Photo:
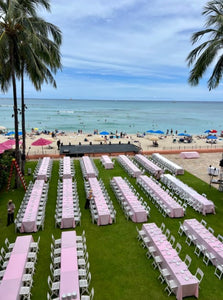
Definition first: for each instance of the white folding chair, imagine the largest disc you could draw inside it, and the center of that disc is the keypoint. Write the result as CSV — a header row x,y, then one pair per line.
x,y
187,260
25,292
199,275
90,297
218,271
84,284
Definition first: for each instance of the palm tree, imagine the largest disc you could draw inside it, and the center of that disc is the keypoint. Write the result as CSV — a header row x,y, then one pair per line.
x,y
16,26
39,57
211,49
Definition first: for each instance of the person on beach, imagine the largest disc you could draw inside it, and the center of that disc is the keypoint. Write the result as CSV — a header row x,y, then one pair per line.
x,y
89,198
58,144
11,210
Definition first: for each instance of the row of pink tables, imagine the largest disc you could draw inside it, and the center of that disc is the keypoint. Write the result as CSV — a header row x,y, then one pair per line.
x,y
189,193
12,280
187,284
139,214
107,162
148,164
32,208
168,164
69,280
206,238
88,167
104,216
44,169
67,220
176,210
130,167
66,170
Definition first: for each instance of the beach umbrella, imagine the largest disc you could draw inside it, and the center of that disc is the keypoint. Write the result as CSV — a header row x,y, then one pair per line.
x,y
104,133
153,138
41,142
207,131
10,142
10,133
159,132
150,131
3,148
211,137
213,131
181,134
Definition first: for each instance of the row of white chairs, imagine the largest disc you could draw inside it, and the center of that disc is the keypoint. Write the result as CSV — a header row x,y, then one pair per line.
x,y
49,169
93,209
27,278
149,168
183,194
83,268
163,209
200,248
59,203
85,173
166,164
123,203
41,209
128,168
61,168
164,273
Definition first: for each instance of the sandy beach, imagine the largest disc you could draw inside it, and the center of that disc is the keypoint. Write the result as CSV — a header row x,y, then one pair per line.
x,y
144,142
198,166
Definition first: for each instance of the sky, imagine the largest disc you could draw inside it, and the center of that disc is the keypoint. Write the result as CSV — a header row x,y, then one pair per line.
x,y
126,49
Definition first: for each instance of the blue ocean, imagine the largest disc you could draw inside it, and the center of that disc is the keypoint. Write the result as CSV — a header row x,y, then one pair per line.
x,y
126,116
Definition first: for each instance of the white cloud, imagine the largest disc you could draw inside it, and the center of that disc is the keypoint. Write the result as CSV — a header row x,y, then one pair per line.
x,y
107,45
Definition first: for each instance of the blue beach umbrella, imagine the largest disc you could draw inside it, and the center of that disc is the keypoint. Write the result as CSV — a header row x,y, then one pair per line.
x,y
212,137
207,131
159,132
10,133
150,131
104,133
181,134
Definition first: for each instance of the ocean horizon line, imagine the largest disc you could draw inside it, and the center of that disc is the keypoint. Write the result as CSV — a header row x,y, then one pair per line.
x,y
116,100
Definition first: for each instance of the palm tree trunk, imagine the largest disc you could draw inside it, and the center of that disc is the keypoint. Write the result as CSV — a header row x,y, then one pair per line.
x,y
23,122
16,122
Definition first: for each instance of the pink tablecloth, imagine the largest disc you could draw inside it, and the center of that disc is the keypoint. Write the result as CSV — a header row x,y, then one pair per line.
x,y
67,220
128,164
139,212
107,162
12,280
188,192
148,164
42,173
69,281
192,154
176,210
104,216
206,238
88,166
67,167
187,284
30,216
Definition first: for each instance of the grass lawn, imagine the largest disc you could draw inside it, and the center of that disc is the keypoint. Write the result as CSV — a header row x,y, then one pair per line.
x,y
118,264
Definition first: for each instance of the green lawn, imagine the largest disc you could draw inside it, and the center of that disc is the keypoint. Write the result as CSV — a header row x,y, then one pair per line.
x,y
118,264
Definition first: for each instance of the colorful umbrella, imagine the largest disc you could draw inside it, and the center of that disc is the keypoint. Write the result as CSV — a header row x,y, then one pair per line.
x,y
150,131
104,133
3,148
211,137
213,131
159,132
10,142
207,131
41,142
